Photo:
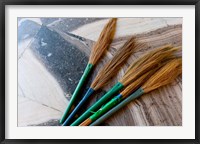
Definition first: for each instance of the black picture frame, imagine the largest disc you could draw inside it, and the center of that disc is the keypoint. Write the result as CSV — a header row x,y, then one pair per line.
x,y
3,72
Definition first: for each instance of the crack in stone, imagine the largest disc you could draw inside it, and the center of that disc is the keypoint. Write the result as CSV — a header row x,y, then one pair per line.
x,y
38,101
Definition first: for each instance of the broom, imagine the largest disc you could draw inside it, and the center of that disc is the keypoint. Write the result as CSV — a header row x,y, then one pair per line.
x,y
98,50
107,72
160,78
140,67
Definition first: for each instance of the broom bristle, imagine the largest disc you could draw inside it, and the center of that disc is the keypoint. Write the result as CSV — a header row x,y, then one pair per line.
x,y
164,76
147,62
136,84
146,57
103,41
113,66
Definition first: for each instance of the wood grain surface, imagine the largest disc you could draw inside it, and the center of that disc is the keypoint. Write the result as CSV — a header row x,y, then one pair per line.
x,y
52,57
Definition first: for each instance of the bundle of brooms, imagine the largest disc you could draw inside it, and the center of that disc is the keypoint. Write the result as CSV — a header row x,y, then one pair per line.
x,y
140,86
151,68
146,63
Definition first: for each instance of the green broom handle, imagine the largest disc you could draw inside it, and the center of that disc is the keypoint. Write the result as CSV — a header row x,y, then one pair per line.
x,y
77,91
118,86
117,99
126,101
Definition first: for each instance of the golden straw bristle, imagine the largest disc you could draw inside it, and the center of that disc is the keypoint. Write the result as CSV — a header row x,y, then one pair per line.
x,y
113,66
151,60
164,76
137,83
144,59
86,122
103,41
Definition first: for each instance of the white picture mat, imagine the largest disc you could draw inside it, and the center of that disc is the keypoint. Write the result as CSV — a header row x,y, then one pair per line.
x,y
186,131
